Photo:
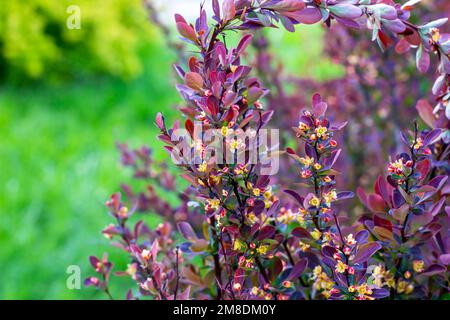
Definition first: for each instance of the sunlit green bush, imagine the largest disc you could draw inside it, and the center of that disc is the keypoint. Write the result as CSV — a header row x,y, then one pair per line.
x,y
35,39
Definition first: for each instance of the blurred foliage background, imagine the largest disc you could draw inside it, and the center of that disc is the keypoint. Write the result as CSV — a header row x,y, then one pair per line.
x,y
66,97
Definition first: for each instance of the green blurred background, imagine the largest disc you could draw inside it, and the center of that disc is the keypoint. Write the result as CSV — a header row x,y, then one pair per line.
x,y
66,97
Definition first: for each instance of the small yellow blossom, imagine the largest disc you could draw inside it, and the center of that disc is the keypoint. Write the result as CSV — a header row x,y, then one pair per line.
x,y
202,167
224,131
330,197
435,34
146,254
418,265
303,126
306,161
238,245
255,291
316,234
350,239
340,267
267,194
256,192
237,286
251,217
418,144
235,144
321,131
314,201
213,204
303,246
262,249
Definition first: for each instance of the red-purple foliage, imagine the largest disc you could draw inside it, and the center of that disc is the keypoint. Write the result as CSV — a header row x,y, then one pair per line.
x,y
236,235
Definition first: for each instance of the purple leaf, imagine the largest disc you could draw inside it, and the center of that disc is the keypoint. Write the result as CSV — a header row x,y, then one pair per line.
x,y
365,252
345,10
259,207
228,10
328,251
434,269
426,112
438,182
94,261
395,26
266,232
160,121
296,196
319,109
362,236
216,8
298,269
307,16
300,232
380,293
186,230
445,259
345,195
422,59
245,41
432,137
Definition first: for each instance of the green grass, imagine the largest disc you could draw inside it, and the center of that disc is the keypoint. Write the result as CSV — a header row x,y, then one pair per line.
x,y
58,165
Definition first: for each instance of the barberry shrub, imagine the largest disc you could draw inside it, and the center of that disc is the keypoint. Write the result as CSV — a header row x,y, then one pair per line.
x,y
237,234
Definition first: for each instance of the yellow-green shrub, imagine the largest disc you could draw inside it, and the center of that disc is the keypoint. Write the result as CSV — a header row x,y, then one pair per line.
x,y
35,39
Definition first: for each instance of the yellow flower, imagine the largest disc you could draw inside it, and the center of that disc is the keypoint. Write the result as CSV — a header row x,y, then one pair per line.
x,y
389,279
303,246
317,271
255,291
262,249
435,34
340,267
418,144
146,254
330,197
267,194
306,161
418,265
316,234
314,201
320,131
409,288
235,144
131,269
251,217
351,289
362,289
317,166
350,239
224,131
401,286
237,286
238,245
213,203
256,192
202,167
303,126
215,179
326,179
